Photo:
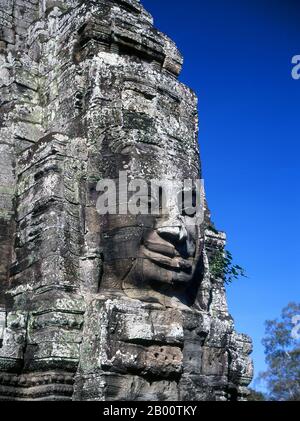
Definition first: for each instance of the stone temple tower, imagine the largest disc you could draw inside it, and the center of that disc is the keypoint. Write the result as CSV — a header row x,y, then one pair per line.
x,y
93,306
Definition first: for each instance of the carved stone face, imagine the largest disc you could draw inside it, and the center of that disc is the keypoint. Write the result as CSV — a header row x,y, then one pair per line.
x,y
168,254
151,257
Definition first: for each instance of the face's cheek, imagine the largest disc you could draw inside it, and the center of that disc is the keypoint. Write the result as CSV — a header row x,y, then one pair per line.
x,y
192,235
134,251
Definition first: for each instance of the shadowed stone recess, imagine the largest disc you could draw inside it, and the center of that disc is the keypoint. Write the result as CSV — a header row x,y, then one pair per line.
x,y
94,307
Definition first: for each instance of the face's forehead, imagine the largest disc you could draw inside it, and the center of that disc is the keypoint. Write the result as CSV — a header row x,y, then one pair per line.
x,y
154,134
162,126
146,162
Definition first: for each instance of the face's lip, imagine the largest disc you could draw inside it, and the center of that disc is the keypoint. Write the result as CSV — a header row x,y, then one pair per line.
x,y
172,263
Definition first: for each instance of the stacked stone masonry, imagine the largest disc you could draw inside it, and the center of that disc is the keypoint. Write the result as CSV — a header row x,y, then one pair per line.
x,y
88,311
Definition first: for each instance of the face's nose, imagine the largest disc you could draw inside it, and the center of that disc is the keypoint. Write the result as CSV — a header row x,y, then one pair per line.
x,y
173,234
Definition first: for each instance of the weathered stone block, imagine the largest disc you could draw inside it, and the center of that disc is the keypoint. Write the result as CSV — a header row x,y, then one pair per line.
x,y
116,387
2,325
124,304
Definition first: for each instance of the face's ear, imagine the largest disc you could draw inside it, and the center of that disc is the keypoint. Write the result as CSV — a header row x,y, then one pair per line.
x,y
193,290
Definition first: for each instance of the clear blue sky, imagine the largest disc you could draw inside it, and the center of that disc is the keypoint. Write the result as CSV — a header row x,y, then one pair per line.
x,y
238,60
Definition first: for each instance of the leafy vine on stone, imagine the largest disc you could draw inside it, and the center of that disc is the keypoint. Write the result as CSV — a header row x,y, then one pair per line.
x,y
222,266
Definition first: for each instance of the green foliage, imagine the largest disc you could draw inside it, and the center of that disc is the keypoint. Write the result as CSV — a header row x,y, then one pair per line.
x,y
221,266
282,350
